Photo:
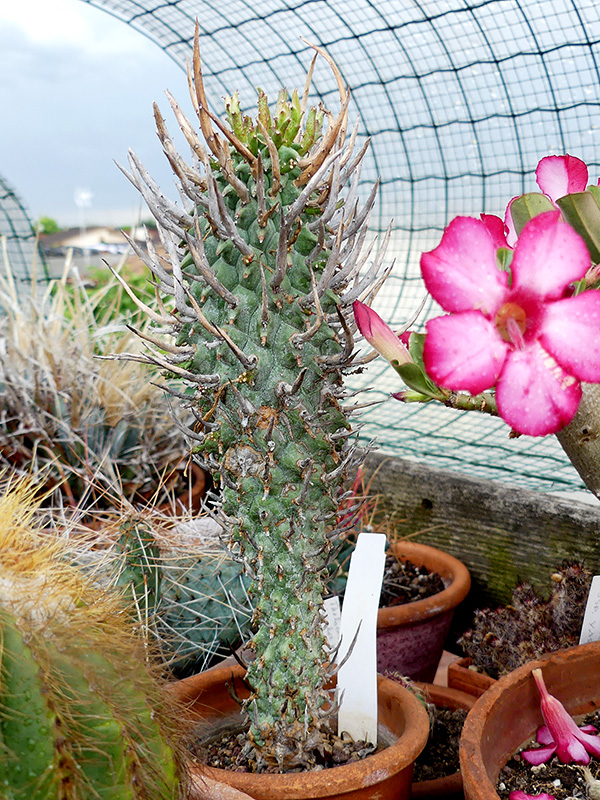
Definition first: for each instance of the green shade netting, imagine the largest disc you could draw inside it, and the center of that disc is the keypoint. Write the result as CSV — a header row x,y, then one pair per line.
x,y
461,99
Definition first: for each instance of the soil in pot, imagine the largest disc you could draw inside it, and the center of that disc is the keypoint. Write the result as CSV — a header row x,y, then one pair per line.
x,y
437,770
226,751
440,756
405,582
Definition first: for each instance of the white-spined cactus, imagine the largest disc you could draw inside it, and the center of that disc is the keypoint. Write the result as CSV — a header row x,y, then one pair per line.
x,y
264,262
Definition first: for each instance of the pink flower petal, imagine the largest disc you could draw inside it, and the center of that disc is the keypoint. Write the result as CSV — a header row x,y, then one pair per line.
x,y
572,750
570,331
496,229
517,794
461,272
463,351
560,175
589,729
511,231
543,735
590,742
534,395
571,743
539,756
548,257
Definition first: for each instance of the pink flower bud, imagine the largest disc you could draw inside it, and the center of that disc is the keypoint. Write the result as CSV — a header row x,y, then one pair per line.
x,y
380,335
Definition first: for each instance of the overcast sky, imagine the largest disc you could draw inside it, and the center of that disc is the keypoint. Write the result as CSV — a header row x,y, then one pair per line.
x,y
76,91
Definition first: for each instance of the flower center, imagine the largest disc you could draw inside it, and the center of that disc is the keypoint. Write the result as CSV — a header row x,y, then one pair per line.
x,y
511,322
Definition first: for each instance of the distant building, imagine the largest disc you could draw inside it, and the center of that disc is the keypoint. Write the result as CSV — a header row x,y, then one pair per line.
x,y
95,240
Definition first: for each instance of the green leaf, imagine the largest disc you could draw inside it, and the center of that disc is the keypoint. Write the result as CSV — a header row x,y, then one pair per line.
x,y
582,212
264,114
416,343
595,191
415,378
504,257
527,207
579,287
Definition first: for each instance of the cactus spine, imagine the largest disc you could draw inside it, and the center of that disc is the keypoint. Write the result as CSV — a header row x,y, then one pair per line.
x,y
80,714
265,264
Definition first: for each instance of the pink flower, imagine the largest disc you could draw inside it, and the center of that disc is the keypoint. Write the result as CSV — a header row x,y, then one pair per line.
x,y
380,335
560,175
517,794
560,734
520,334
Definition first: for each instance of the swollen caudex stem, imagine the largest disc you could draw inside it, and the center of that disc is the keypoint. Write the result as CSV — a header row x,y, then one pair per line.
x,y
581,438
81,715
265,261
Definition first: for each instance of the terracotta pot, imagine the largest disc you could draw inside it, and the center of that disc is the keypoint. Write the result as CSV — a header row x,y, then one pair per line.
x,y
468,680
385,774
411,637
451,786
508,714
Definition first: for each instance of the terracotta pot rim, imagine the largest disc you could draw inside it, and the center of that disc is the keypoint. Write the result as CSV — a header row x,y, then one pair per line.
x,y
447,566
325,783
472,765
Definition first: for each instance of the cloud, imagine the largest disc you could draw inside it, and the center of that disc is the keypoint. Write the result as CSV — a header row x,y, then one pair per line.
x,y
75,100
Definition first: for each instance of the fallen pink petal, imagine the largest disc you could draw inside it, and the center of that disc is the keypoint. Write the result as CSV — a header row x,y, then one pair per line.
x,y
560,175
570,743
519,795
521,333
543,735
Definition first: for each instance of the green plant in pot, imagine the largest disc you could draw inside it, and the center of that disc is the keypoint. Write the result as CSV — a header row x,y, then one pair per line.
x,y
502,639
264,266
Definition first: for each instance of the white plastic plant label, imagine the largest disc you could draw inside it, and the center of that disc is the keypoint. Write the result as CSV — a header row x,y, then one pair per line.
x,y
590,629
357,675
333,613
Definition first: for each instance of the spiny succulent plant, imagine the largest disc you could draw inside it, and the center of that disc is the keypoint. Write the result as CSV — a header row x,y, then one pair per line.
x,y
503,639
82,713
265,260
86,425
